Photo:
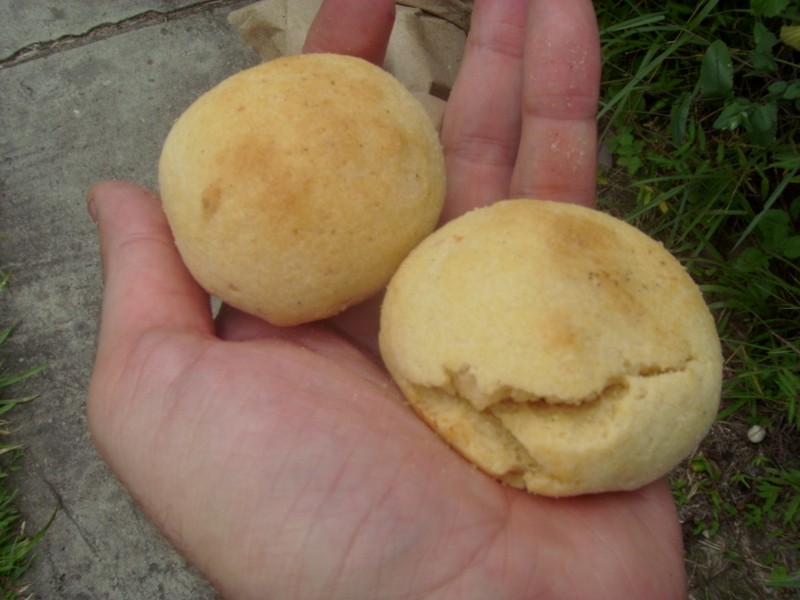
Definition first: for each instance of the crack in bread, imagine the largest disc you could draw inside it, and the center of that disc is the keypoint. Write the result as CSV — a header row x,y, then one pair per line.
x,y
475,433
463,382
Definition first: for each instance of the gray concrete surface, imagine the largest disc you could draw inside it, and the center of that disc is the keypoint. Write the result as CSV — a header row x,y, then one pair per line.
x,y
89,90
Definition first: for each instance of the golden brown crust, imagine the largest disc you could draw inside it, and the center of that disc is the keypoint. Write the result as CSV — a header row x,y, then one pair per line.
x,y
294,189
558,348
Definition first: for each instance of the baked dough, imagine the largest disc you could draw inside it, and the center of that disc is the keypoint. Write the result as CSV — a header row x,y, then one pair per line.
x,y
559,349
294,189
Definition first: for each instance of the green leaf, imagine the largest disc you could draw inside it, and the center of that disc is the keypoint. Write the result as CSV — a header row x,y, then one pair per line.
x,y
716,72
733,115
777,89
786,161
751,260
679,117
762,123
792,91
791,247
768,8
761,56
773,228
794,208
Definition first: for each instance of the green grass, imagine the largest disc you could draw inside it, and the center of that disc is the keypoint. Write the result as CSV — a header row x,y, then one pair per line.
x,y
16,545
701,114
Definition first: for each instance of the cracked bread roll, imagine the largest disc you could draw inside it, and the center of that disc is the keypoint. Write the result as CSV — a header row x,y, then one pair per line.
x,y
557,348
294,189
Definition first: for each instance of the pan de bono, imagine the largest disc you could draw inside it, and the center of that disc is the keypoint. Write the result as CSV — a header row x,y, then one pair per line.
x,y
295,188
559,349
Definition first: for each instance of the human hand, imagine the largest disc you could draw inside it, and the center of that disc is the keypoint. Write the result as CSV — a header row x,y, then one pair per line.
x,y
283,462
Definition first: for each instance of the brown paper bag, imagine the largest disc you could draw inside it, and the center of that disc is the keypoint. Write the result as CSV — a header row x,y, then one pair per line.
x,y
424,51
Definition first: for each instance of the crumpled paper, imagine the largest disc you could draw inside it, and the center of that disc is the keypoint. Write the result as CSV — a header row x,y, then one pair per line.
x,y
424,50
457,12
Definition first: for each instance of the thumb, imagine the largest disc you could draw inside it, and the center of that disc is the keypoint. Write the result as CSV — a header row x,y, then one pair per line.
x,y
146,283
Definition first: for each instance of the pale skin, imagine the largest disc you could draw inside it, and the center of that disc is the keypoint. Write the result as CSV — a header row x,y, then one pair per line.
x,y
284,463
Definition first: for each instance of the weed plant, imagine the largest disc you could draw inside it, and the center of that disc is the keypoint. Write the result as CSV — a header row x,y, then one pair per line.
x,y
16,546
701,114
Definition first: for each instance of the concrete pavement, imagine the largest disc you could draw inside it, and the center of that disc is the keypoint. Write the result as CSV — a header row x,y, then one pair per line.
x,y
89,90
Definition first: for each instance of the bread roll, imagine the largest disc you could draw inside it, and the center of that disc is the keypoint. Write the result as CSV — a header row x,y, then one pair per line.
x,y
559,349
294,189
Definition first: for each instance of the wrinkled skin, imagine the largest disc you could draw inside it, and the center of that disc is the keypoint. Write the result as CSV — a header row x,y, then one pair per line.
x,y
283,462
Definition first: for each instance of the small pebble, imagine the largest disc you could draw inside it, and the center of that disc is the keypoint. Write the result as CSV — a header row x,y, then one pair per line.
x,y
756,434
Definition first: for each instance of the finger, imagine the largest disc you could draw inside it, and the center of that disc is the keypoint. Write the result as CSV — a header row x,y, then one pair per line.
x,y
480,131
146,283
355,27
557,157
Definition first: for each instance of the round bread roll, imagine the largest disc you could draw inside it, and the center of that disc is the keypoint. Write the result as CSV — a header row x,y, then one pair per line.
x,y
559,349
294,189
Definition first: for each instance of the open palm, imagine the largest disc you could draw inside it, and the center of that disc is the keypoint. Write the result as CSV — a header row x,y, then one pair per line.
x,y
282,461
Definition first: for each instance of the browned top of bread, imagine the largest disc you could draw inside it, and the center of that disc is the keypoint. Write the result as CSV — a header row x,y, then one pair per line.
x,y
295,188
560,349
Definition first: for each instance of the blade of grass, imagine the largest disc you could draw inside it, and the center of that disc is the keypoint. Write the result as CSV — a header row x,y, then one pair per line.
x,y
776,194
